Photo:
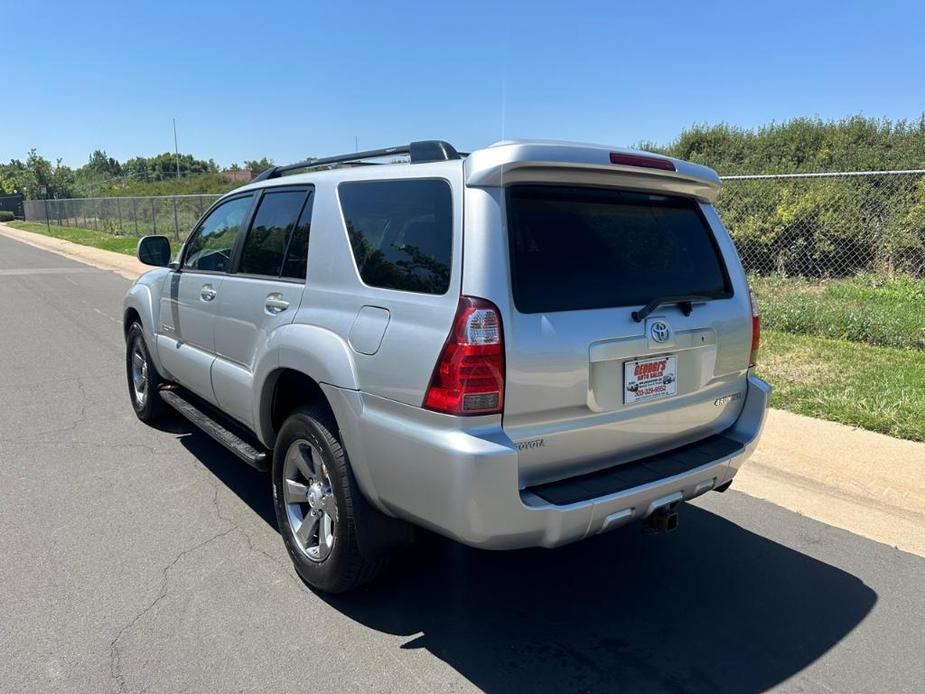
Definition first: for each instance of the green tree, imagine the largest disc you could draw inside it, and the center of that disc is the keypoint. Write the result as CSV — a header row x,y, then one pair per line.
x,y
103,164
255,166
818,226
36,172
803,145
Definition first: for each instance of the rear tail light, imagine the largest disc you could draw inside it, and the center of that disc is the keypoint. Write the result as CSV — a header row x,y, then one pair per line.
x,y
640,160
469,376
756,328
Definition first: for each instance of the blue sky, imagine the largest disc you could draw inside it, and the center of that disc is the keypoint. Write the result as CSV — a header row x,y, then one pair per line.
x,y
284,80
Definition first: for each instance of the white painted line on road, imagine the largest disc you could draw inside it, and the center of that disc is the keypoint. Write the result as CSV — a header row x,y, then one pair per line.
x,y
45,271
106,315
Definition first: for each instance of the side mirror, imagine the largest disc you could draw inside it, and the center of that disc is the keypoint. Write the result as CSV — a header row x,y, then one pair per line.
x,y
154,250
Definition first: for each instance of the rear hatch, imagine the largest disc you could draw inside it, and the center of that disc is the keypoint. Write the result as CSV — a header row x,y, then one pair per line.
x,y
588,384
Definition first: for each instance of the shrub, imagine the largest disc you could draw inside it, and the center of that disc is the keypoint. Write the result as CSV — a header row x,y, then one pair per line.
x,y
6,216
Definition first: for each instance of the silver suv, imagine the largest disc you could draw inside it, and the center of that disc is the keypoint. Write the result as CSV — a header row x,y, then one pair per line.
x,y
523,346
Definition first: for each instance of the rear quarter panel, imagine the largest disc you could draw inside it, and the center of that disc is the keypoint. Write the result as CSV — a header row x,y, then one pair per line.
x,y
417,325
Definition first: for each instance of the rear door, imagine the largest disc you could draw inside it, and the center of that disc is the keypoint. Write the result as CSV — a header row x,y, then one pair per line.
x,y
587,385
263,293
186,339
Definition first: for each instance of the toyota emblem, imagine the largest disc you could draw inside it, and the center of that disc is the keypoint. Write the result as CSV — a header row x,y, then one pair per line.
x,y
660,331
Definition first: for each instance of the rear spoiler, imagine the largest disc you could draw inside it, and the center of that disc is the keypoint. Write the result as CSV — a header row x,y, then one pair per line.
x,y
571,163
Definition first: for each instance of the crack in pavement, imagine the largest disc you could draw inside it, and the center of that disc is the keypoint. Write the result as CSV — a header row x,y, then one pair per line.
x,y
115,664
79,419
115,669
286,567
53,381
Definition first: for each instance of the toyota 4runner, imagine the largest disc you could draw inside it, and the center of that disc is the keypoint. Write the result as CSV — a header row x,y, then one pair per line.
x,y
524,346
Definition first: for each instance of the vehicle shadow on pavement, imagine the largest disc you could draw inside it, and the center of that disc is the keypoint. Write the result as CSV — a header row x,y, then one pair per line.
x,y
710,607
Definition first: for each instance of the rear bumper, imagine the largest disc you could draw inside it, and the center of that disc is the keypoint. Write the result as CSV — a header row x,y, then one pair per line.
x,y
463,483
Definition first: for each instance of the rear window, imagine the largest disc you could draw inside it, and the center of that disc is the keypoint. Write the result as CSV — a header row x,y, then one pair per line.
x,y
576,248
401,233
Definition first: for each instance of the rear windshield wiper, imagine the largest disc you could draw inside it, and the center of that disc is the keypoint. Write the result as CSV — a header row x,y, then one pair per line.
x,y
684,301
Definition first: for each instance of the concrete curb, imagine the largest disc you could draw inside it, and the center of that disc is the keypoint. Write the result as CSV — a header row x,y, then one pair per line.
x,y
125,265
858,480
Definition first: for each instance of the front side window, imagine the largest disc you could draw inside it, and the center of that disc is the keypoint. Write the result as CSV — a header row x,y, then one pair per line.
x,y
401,233
266,242
211,245
576,248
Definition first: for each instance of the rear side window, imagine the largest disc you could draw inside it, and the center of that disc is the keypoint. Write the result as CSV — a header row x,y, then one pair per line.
x,y
401,233
266,242
297,254
578,248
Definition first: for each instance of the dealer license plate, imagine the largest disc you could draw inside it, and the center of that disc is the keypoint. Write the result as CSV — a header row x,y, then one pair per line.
x,y
650,379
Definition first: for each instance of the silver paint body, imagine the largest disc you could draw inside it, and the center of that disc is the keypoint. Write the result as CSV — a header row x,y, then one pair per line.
x,y
373,350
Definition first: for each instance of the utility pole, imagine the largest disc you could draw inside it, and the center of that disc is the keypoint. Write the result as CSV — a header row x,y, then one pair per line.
x,y
176,150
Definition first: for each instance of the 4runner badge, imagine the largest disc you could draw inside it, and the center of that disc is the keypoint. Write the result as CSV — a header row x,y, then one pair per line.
x,y
726,399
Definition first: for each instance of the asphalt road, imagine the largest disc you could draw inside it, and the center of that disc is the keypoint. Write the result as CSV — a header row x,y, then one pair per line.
x,y
133,559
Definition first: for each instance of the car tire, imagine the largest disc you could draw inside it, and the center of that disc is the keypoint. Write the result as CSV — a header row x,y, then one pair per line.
x,y
144,381
326,552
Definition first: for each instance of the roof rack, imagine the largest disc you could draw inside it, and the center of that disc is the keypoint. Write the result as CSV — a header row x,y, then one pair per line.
x,y
420,152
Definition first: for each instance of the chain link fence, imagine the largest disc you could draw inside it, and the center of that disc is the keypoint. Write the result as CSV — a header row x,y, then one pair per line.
x,y
804,225
828,225
170,215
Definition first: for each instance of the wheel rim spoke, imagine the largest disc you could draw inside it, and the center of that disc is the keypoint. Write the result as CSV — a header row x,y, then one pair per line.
x,y
313,459
323,529
329,505
303,462
305,531
295,492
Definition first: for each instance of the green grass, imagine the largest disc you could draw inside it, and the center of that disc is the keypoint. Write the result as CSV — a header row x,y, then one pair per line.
x,y
86,237
872,309
876,388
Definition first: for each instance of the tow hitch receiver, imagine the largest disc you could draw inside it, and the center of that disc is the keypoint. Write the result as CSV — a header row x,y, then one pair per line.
x,y
662,520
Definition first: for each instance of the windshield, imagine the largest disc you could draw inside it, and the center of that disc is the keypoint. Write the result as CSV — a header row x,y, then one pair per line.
x,y
576,248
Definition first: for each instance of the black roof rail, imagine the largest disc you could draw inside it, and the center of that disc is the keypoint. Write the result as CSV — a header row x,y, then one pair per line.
x,y
420,152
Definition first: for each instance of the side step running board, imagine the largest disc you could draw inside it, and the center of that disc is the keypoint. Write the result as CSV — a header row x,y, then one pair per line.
x,y
230,440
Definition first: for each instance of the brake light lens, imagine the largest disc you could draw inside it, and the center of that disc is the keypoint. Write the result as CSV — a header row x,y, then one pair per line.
x,y
756,328
469,376
643,161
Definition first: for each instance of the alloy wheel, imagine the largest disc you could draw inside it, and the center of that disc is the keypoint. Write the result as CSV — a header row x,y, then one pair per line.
x,y
310,504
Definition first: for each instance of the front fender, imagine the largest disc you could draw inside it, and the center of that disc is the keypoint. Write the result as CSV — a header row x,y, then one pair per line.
x,y
142,297
314,351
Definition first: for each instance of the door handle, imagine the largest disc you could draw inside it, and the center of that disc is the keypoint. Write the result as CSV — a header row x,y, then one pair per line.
x,y
276,304
207,293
